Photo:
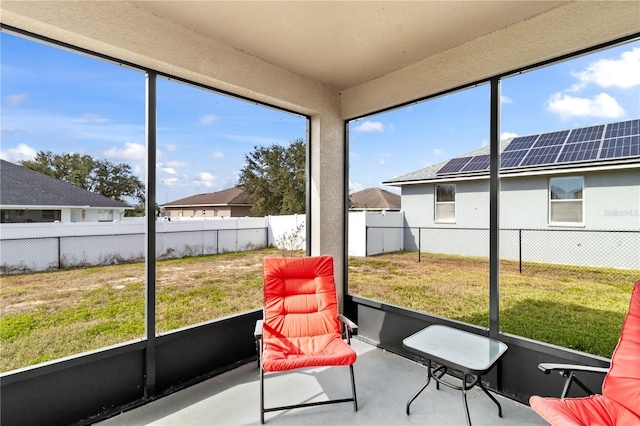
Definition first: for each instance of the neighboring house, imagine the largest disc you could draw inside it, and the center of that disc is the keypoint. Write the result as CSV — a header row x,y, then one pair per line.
x,y
232,202
29,196
374,199
582,178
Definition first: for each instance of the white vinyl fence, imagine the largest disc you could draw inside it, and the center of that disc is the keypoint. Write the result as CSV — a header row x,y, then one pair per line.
x,y
49,246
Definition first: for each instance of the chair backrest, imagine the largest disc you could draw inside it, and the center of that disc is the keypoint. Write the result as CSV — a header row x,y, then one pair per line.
x,y
299,297
622,382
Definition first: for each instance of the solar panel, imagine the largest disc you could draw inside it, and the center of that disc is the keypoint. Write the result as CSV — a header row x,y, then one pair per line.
x,y
512,158
479,162
580,151
626,146
543,155
600,142
523,142
551,139
626,128
454,165
586,134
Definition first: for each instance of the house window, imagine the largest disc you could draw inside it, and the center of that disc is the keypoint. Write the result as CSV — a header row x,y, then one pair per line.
x,y
565,200
48,215
105,215
445,209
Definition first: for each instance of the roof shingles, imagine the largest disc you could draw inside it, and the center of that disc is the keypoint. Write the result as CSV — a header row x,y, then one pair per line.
x,y
20,186
233,196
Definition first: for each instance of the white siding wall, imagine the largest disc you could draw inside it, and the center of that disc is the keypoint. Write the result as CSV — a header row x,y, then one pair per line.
x,y
524,202
611,202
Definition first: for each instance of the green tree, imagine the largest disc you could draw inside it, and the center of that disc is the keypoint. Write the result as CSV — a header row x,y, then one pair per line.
x,y
274,177
115,181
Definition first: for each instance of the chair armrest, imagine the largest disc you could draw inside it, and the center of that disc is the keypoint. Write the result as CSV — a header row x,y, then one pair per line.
x,y
568,372
352,326
257,332
547,368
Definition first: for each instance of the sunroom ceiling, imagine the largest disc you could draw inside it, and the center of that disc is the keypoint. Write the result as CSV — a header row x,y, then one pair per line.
x,y
348,58
345,43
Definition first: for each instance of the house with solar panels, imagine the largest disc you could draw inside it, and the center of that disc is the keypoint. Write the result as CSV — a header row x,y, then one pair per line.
x,y
576,180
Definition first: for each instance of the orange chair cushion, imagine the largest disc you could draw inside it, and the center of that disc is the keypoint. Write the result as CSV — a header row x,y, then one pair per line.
x,y
301,326
622,382
619,403
318,351
592,410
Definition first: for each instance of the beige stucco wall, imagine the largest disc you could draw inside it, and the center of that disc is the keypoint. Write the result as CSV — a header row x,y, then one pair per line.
x,y
563,30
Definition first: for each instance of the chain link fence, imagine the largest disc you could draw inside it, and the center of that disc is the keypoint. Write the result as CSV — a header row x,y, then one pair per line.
x,y
23,255
613,252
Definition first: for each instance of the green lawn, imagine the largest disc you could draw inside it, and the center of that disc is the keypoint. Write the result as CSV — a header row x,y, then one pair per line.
x,y
50,315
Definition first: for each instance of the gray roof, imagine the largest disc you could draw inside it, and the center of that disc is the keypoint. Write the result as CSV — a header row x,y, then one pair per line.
x,y
429,172
235,196
20,186
375,199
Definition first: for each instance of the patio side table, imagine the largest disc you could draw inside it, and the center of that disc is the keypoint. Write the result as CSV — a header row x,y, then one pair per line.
x,y
453,349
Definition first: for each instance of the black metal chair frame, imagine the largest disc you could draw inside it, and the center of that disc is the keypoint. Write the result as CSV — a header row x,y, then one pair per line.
x,y
348,329
568,372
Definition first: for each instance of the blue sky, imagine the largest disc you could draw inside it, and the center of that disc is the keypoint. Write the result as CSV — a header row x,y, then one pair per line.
x,y
64,102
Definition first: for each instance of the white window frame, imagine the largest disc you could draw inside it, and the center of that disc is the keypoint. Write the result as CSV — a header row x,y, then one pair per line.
x,y
559,201
437,203
105,215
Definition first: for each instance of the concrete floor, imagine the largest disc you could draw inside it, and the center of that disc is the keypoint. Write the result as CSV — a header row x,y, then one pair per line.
x,y
384,383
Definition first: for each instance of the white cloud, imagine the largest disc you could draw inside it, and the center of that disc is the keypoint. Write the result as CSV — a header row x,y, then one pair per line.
x,y
209,119
623,72
505,136
11,133
217,154
15,100
43,124
437,152
131,151
355,186
382,160
505,99
91,117
174,163
19,153
568,106
171,182
353,155
170,147
169,170
370,126
205,179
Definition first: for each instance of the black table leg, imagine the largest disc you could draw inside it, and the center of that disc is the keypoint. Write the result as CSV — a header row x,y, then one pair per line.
x,y
464,398
422,388
490,396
